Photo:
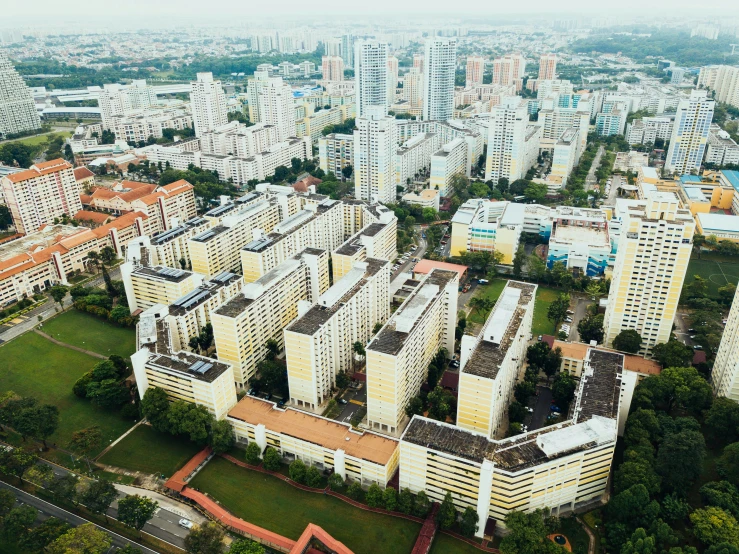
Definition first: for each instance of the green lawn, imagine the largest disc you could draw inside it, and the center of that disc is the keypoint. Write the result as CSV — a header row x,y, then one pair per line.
x,y
716,271
31,365
575,533
544,297
39,139
91,333
270,503
444,544
149,451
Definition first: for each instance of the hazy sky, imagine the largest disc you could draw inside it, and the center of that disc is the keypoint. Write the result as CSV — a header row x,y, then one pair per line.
x,y
227,9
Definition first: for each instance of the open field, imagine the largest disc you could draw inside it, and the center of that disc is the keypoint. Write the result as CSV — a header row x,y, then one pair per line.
x,y
31,365
149,451
717,273
444,544
39,139
270,503
544,297
91,333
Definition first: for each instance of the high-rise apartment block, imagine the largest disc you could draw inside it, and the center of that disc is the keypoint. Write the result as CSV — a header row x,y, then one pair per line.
x,y
492,362
725,374
690,133
40,194
453,159
332,68
335,152
277,107
119,100
724,79
418,60
548,67
319,344
347,50
438,87
209,109
413,87
375,143
17,109
506,154
509,70
253,85
243,325
399,355
475,71
370,75
147,285
376,240
653,253
392,78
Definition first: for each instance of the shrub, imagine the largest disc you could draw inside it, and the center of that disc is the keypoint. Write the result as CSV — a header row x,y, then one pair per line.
x,y
336,482
297,471
390,498
354,491
313,477
252,453
374,496
272,459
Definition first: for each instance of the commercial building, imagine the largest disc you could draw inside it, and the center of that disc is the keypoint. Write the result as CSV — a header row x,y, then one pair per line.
x,y
332,68
580,240
475,71
652,257
725,374
319,344
438,86
375,144
209,108
563,467
507,153
17,109
41,194
427,198
399,355
370,74
335,152
363,457
690,133
484,226
492,362
187,377
453,159
722,226
243,325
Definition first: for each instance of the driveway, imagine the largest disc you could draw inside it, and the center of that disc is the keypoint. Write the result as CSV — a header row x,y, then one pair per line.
x,y
356,400
541,410
581,310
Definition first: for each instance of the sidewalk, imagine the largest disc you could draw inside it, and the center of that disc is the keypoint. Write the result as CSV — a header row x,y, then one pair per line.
x,y
65,345
166,503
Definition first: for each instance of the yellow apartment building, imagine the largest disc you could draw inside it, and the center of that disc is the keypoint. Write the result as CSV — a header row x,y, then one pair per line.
x,y
146,286
376,240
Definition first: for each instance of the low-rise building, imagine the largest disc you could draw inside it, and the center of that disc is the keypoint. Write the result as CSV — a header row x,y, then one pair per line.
x,y
722,149
427,198
485,226
580,240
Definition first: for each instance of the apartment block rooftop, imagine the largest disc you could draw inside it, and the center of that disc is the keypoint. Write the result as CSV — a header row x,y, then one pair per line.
x,y
501,328
201,294
391,338
354,244
162,273
189,364
210,234
178,231
337,296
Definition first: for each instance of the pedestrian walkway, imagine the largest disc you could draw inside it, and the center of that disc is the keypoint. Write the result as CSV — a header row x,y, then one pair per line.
x,y
65,345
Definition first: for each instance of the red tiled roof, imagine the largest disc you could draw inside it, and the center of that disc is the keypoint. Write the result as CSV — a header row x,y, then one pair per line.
x,y
95,217
82,173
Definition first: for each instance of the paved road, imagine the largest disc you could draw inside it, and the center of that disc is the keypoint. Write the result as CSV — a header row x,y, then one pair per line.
x,y
616,181
355,400
581,310
590,180
47,510
541,410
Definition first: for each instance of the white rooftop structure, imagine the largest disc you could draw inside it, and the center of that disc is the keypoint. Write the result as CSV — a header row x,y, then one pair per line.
x,y
597,429
406,317
502,315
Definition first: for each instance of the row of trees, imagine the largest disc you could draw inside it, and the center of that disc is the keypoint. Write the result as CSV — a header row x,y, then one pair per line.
x,y
105,386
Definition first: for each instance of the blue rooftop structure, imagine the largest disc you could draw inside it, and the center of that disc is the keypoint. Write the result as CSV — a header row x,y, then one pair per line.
x,y
733,178
687,179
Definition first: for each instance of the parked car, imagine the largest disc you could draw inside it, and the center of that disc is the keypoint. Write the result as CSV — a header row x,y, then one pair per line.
x,y
697,347
570,312
554,409
539,338
530,410
691,330
342,401
568,319
185,523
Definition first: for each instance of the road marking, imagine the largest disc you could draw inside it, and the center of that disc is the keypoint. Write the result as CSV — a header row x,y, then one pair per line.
x,y
356,402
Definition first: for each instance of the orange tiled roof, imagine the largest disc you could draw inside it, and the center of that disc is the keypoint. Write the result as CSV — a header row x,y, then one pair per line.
x,y
82,173
95,217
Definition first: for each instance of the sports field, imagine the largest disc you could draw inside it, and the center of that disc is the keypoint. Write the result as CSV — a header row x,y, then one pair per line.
x,y
715,270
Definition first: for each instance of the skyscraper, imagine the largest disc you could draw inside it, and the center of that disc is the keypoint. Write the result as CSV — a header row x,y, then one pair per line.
x,y
277,107
347,49
370,75
392,78
725,374
547,67
475,71
690,133
208,104
332,68
653,254
507,140
375,143
17,108
438,87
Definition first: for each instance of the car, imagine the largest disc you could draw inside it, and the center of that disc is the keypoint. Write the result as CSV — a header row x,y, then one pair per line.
x,y
568,319
185,523
693,337
250,392
539,338
342,401
454,363
691,330
697,347
554,409
530,410
570,312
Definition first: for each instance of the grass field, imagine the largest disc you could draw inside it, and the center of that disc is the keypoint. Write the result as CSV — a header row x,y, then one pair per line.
x,y
716,271
31,365
39,139
444,544
149,451
270,503
91,333
544,297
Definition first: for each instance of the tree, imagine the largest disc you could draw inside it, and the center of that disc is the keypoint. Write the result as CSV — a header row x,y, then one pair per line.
x,y
297,471
591,328
680,459
389,498
64,488
342,380
7,501
628,340
422,504
721,494
727,464
537,269
271,460
155,408
17,461
721,548
222,437
447,514
205,539
713,526
245,546
99,496
673,353
191,420
374,496
563,390
39,422
469,524
640,543
86,440
527,534
107,255
535,192
44,534
439,402
336,482
253,452
358,349
86,539
18,521
518,262
313,477
58,293
523,391
346,171
354,491
516,412
135,510
109,393
558,309
405,501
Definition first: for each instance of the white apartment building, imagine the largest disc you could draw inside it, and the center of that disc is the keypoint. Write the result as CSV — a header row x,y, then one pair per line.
x,y
243,325
147,285
649,129
724,79
565,156
722,149
492,362
277,107
725,374
554,121
392,79
170,247
377,240
414,157
332,68
17,108
475,71
236,139
335,152
313,124
453,159
506,154
370,75
208,101
253,86
40,194
690,133
652,257
399,355
319,344
413,88
438,87
119,100
138,126
375,143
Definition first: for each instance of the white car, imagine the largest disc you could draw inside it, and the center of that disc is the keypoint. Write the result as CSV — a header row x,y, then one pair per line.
x,y
186,523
